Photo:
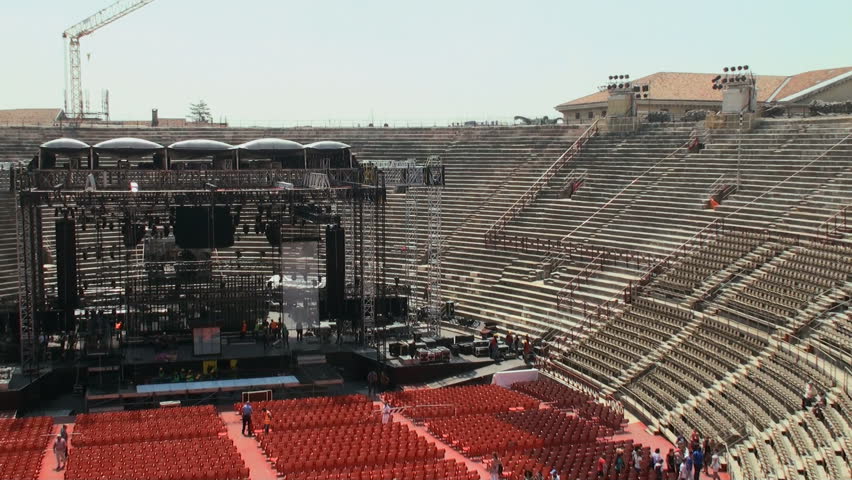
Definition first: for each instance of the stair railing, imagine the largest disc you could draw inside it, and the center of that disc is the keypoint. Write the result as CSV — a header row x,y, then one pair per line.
x,y
497,228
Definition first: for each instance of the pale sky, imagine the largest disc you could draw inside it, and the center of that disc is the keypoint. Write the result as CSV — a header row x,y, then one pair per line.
x,y
398,61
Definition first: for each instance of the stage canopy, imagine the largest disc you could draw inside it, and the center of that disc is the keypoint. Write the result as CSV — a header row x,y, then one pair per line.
x,y
199,148
270,146
327,145
128,146
64,145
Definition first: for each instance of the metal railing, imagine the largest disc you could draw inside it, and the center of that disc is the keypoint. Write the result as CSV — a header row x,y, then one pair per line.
x,y
535,189
835,225
618,194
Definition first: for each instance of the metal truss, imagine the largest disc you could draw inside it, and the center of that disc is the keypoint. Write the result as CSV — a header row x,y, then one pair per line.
x,y
30,293
119,179
369,264
358,204
434,178
410,254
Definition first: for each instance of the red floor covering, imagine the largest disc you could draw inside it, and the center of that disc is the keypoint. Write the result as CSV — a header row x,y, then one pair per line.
x,y
637,432
259,467
48,463
450,453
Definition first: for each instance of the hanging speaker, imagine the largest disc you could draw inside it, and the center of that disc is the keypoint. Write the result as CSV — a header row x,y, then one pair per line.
x,y
335,270
66,263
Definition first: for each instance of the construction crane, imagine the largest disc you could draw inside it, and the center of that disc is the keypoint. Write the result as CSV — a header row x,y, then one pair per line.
x,y
74,108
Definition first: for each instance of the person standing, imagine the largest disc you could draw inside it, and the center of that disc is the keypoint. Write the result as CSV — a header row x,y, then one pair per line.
x,y
372,382
657,463
601,467
554,475
637,458
267,420
386,414
670,463
64,433
715,466
60,449
299,331
246,412
683,471
619,461
697,462
678,460
285,335
496,467
809,395
707,449
243,330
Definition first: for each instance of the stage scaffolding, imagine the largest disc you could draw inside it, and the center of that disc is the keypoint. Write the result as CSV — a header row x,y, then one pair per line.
x,y
227,285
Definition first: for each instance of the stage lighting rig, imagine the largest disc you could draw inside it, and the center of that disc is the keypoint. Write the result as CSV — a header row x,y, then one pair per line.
x,y
737,76
620,82
641,91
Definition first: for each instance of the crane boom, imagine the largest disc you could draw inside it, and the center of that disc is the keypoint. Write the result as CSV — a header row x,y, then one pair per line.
x,y
105,16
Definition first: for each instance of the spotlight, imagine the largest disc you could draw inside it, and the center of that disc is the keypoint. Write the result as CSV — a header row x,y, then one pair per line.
x,y
627,76
620,85
745,67
645,88
725,80
638,95
637,88
733,68
627,85
725,69
645,95
716,78
610,77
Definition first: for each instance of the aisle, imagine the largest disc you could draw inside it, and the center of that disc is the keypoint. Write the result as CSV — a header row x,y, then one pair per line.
x,y
637,431
48,462
450,453
259,467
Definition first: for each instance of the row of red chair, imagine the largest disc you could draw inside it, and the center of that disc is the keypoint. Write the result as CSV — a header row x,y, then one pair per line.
x,y
24,465
209,458
418,470
141,416
291,404
422,404
602,414
565,397
157,430
321,416
21,434
477,435
547,390
330,448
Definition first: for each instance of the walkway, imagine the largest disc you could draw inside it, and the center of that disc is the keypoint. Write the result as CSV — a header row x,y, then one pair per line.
x,y
255,460
48,462
449,452
637,431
